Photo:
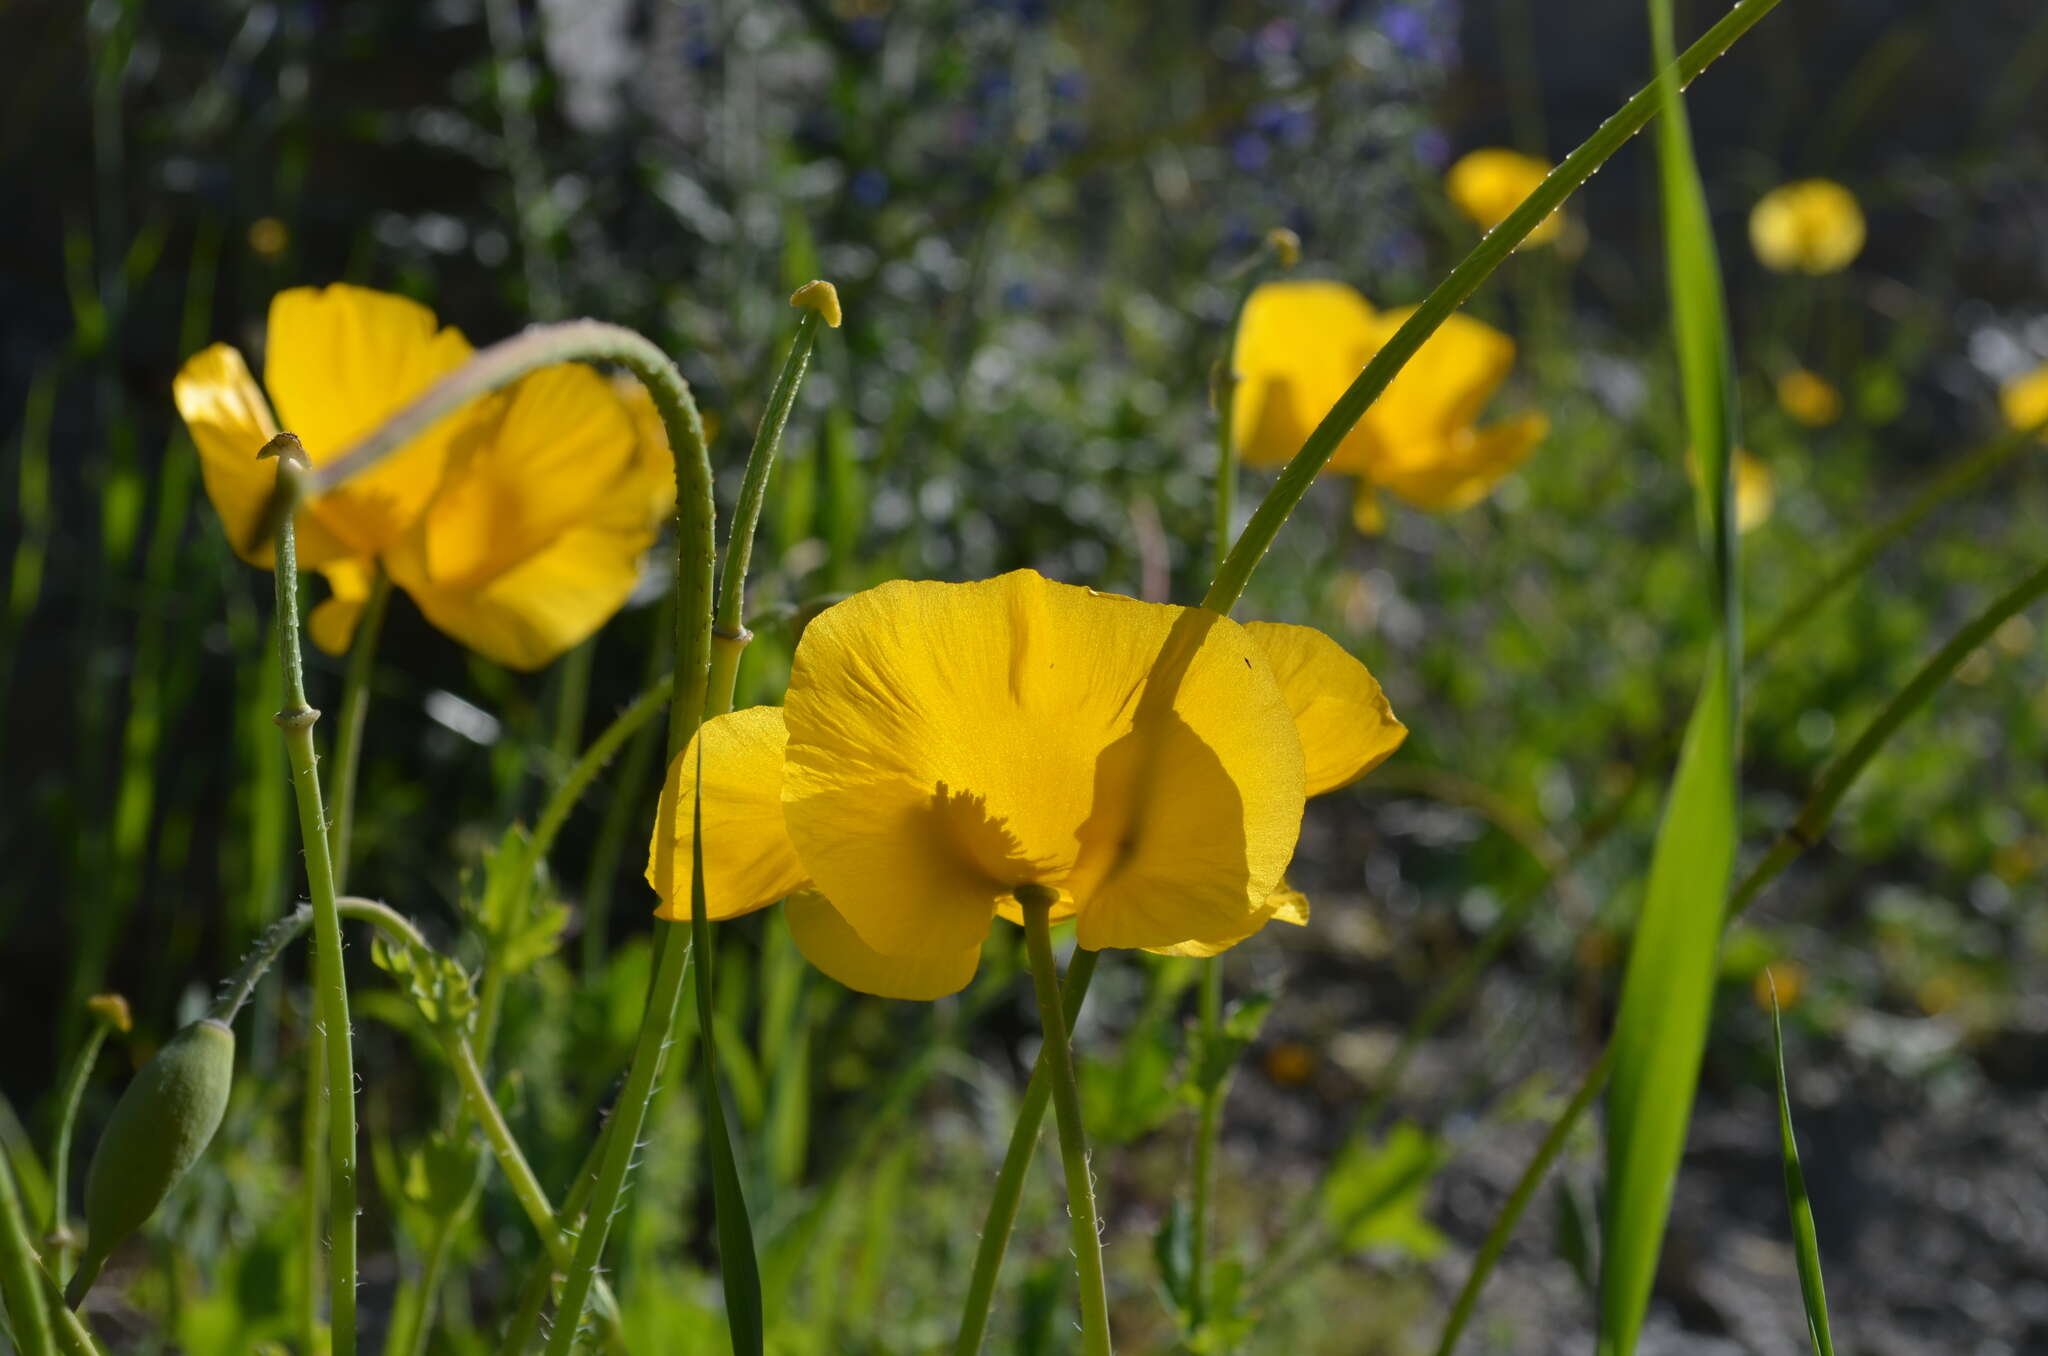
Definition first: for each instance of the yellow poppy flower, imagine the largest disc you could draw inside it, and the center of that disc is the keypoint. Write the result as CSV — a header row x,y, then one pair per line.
x,y
945,744
1809,398
1488,184
2025,399
1809,226
1300,344
516,523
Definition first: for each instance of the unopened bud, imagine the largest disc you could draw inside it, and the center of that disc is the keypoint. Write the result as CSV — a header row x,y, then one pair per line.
x,y
819,296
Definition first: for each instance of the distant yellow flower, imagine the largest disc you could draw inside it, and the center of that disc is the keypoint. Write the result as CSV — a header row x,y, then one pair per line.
x,y
516,522
1809,226
1809,398
1488,184
1755,489
268,237
945,744
1300,344
2025,400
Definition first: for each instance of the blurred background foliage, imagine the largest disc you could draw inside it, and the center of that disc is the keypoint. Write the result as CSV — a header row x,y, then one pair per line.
x,y
1031,211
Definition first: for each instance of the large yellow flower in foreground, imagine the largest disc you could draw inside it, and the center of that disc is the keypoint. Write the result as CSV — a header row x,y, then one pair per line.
x,y
516,522
1488,184
1300,344
2025,400
1809,226
944,745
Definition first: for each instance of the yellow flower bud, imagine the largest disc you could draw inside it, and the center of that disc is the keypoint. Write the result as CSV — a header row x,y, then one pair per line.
x,y
1812,226
112,1009
1809,398
819,296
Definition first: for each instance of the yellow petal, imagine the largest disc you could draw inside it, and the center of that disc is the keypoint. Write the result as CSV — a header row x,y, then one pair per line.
x,y
1441,390
230,422
1488,184
1285,905
561,441
2025,400
547,604
748,860
1299,345
1810,226
340,360
653,473
829,943
949,742
333,623
1347,726
1462,469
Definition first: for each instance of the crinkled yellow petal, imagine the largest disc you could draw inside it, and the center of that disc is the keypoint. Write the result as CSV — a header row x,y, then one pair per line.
x,y
548,603
1488,184
1285,905
1347,726
560,444
2025,400
830,943
230,421
949,742
748,860
1299,345
1809,226
339,361
333,623
1462,469
652,476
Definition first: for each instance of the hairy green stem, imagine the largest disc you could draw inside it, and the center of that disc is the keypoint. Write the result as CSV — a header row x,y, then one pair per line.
x,y
1036,904
644,708
1002,1207
330,982
728,630
355,714
1450,294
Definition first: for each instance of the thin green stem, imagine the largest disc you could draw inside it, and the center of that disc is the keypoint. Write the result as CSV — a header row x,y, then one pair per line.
x,y
21,1287
330,982
1510,1215
430,1286
1036,903
1957,479
355,714
728,629
572,702
61,1240
602,750
1836,778
1002,1207
1209,1122
622,1137
1451,293
312,1186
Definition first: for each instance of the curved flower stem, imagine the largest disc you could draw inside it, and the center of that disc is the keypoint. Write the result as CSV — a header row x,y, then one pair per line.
x,y
1450,294
61,1241
1036,903
729,634
355,712
330,982
1002,1207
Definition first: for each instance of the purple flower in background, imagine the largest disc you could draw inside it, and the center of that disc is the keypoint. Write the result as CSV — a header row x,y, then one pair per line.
x,y
1408,30
1277,39
1070,86
1432,147
1250,152
870,187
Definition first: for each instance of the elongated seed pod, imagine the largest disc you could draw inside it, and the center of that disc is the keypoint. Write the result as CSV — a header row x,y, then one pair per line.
x,y
158,1130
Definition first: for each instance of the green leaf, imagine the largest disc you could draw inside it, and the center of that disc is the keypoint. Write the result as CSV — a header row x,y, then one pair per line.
x,y
1374,1195
1805,1245
1214,1059
1667,995
1173,1250
1134,1093
437,986
739,1267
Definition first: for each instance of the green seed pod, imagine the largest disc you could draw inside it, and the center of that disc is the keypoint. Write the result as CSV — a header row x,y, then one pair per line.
x,y
159,1128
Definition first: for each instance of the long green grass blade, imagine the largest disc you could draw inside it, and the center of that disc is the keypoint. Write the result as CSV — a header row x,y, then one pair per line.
x,y
21,1291
1812,1293
739,1268
1667,996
